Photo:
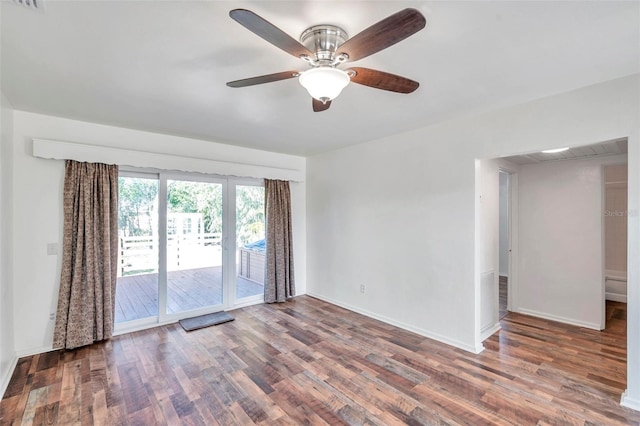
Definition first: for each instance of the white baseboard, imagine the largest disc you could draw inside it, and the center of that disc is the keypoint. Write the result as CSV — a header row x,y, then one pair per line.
x,y
34,351
489,331
614,274
556,318
616,297
629,402
452,342
6,377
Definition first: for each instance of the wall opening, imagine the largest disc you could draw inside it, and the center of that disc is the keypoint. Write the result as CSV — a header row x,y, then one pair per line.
x,y
504,242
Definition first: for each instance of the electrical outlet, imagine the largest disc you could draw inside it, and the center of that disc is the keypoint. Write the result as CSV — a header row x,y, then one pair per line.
x,y
362,288
52,316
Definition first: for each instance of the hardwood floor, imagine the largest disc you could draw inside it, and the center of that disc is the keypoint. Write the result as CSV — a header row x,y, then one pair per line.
x,y
310,362
502,296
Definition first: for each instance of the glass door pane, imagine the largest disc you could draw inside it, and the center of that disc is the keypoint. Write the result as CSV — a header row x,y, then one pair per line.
x,y
194,250
250,241
137,279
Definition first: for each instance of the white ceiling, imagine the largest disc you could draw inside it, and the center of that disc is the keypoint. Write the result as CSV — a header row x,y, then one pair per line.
x,y
603,149
162,65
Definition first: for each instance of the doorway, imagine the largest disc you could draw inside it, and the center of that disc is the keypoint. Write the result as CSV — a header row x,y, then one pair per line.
x,y
615,188
193,246
504,242
189,244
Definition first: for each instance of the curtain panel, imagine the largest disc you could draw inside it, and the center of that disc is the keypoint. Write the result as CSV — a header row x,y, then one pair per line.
x,y
279,280
86,300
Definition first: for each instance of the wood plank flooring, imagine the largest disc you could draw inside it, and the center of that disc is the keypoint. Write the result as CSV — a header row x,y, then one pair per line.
x,y
310,362
502,296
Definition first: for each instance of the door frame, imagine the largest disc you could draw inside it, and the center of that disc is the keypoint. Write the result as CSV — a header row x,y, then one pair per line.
x,y
603,198
163,315
512,226
234,302
228,245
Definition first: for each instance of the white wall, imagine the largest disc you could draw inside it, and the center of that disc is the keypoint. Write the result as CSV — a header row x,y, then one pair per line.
x,y
486,244
561,254
503,224
377,215
615,231
7,346
615,219
37,208
397,214
631,397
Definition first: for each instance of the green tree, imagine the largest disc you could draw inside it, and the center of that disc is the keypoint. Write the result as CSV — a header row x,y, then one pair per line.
x,y
249,214
197,197
138,202
137,199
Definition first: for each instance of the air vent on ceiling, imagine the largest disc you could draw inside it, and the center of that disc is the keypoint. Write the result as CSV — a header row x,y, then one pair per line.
x,y
31,4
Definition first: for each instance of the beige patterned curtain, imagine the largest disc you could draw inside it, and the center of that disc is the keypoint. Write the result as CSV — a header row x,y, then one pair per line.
x,y
279,283
86,300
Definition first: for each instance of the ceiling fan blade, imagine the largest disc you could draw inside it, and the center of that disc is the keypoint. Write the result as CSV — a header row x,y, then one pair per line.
x,y
269,32
269,78
383,80
319,106
385,33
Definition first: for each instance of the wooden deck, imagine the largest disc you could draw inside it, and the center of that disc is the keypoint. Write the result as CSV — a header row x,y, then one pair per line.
x,y
137,295
310,362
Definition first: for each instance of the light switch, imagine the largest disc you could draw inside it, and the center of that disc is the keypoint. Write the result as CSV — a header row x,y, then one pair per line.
x,y
52,249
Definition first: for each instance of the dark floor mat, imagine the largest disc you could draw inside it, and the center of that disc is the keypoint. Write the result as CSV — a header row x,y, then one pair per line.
x,y
190,324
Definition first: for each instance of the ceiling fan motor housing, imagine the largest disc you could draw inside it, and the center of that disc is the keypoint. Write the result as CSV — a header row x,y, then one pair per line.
x,y
324,40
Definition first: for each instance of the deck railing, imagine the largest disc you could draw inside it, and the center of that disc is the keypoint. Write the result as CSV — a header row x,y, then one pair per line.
x,y
139,255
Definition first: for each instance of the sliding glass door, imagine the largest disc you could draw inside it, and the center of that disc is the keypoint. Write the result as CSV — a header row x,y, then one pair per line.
x,y
137,282
250,242
189,245
194,246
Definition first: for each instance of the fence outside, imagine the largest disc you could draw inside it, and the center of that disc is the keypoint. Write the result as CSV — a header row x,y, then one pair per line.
x,y
139,255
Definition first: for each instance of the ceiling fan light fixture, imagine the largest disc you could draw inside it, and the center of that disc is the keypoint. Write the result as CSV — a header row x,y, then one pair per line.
x,y
324,83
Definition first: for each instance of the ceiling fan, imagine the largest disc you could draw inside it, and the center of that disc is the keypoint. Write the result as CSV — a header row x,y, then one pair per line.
x,y
326,47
